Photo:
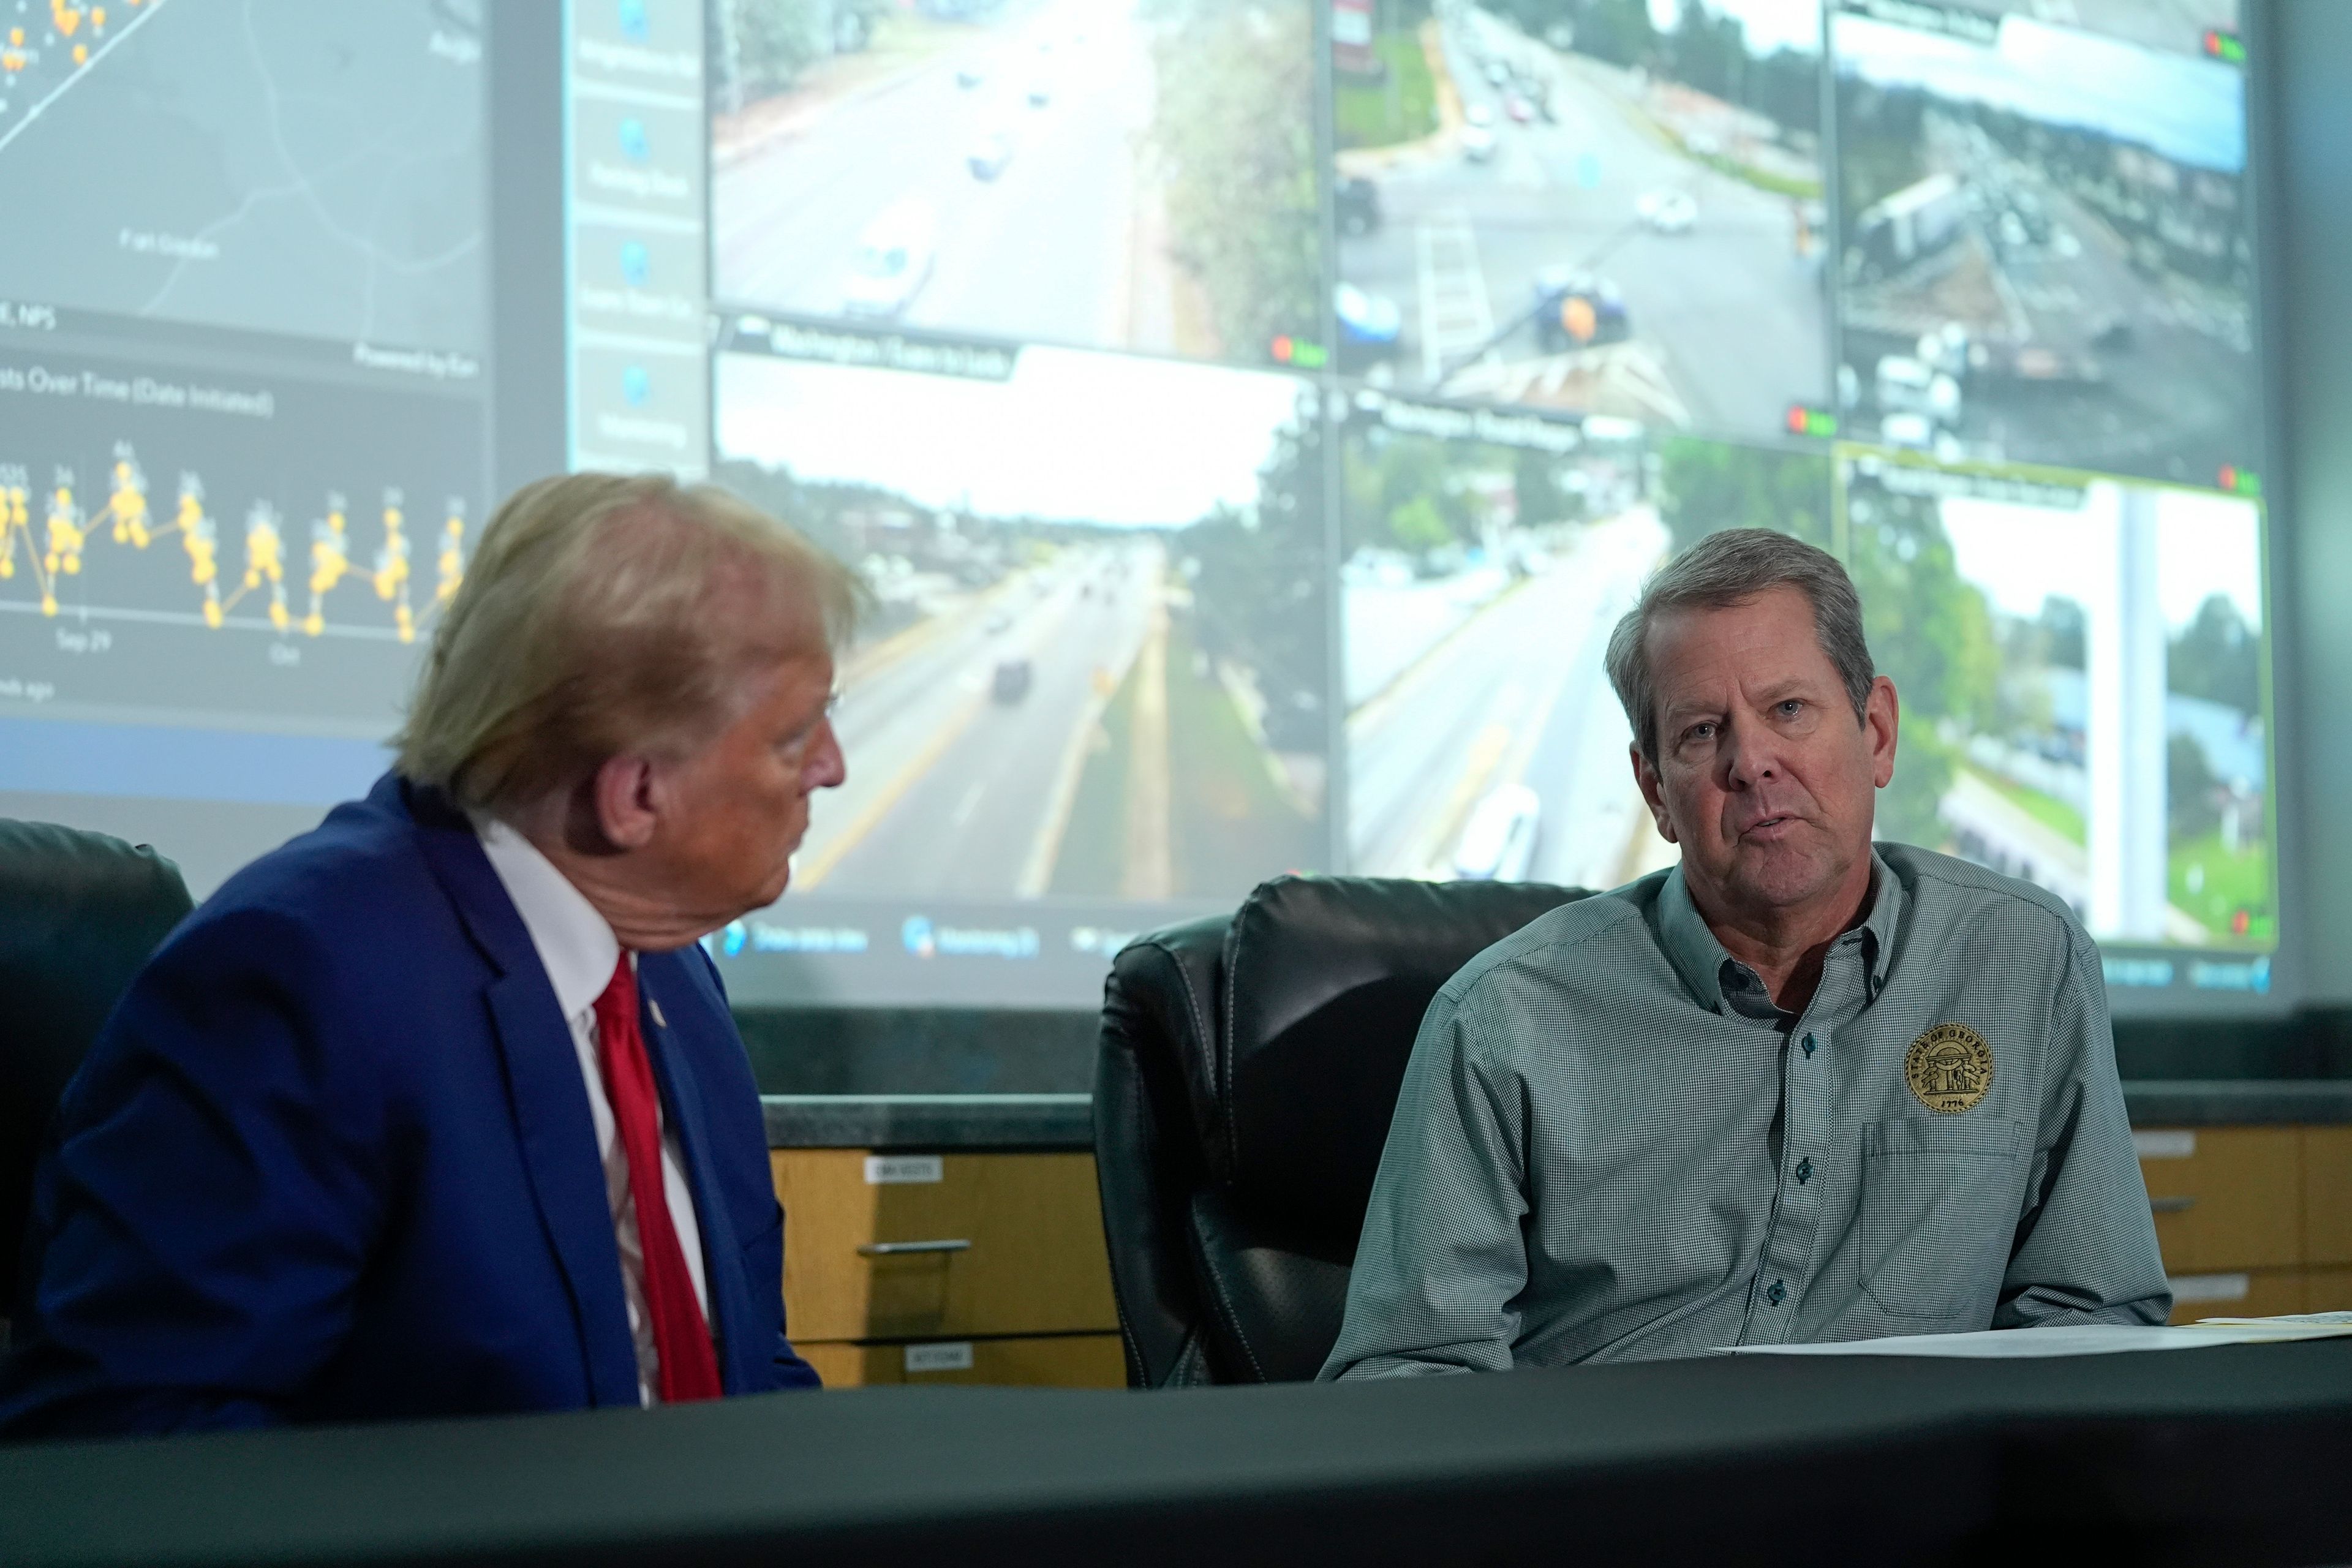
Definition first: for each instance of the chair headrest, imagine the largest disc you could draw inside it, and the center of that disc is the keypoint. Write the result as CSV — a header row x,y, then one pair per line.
x,y
79,913
1326,981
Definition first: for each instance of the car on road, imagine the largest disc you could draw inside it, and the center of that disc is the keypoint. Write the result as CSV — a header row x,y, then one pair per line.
x,y
998,622
1011,680
1479,114
893,260
1518,109
1371,327
990,154
1041,92
1477,144
1498,842
1358,200
1576,310
1907,385
1667,212
969,75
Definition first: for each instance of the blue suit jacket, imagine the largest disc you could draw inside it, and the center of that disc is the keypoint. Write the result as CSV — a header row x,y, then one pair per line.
x,y
331,1159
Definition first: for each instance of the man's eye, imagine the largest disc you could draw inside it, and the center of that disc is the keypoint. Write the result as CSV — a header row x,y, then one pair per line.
x,y
1703,731
1792,706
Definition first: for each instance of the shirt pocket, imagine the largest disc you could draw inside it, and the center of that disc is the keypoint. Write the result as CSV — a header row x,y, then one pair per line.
x,y
1940,1205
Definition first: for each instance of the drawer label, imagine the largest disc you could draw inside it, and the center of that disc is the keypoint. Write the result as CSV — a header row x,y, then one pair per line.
x,y
882,1169
2167,1145
954,1357
2210,1287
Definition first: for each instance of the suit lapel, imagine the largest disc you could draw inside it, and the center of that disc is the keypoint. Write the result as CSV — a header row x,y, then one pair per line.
x,y
551,1102
722,1260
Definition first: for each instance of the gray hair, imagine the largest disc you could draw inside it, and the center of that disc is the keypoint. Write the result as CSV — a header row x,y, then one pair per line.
x,y
1731,568
603,614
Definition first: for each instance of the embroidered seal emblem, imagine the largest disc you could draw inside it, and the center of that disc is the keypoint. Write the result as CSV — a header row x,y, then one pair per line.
x,y
1949,1068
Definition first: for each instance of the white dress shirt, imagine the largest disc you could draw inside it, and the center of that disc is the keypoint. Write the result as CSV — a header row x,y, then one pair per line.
x,y
579,952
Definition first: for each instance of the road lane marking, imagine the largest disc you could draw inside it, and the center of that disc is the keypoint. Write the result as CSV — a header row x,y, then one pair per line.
x,y
964,807
1148,871
1486,754
1456,317
823,864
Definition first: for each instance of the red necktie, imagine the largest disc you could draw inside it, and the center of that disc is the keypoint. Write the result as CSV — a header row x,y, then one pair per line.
x,y
690,1368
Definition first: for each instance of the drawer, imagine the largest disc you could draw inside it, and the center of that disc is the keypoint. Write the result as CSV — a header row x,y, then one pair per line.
x,y
2327,1290
1058,1361
2241,1293
2225,1197
940,1246
2327,1195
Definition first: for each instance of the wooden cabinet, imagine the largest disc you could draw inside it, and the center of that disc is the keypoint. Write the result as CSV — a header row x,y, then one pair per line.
x,y
982,1268
2253,1221
2327,1196
2246,1293
1059,1361
2225,1198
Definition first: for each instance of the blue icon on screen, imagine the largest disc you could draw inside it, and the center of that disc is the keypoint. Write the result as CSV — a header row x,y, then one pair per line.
x,y
916,933
636,386
633,144
1588,170
731,940
636,264
635,26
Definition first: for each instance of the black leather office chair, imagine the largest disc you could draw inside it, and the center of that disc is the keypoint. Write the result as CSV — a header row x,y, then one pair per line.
x,y
1247,1071
80,912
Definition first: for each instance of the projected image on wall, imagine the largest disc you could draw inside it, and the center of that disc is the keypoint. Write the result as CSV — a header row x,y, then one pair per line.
x,y
1489,557
1097,666
1119,173
2046,249
2081,666
1615,209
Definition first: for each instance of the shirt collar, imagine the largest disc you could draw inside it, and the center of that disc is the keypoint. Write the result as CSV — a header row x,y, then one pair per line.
x,y
1700,958
575,946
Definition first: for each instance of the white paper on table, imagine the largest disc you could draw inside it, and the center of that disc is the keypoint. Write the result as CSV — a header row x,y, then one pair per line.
x,y
2080,1339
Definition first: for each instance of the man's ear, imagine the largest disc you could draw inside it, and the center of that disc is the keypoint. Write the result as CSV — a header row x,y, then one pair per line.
x,y
622,793
1645,775
1881,724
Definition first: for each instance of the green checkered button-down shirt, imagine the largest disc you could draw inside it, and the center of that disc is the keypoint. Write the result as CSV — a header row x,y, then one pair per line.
x,y
1611,1146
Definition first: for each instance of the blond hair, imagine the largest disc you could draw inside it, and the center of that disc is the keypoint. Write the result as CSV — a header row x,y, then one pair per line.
x,y
608,614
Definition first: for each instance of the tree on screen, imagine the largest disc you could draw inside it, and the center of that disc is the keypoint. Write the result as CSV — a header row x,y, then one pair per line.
x,y
1930,631
1704,485
1232,127
2218,658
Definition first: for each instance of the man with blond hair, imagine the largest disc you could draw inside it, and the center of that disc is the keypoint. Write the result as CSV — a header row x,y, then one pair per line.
x,y
439,1109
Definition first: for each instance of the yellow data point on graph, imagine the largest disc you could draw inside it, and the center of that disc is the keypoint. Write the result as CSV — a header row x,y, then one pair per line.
x,y
81,53
213,613
66,18
277,616
405,623
48,603
264,549
98,15
314,623
15,37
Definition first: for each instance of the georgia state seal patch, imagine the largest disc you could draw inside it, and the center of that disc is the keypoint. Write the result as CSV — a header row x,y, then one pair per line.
x,y
1949,1068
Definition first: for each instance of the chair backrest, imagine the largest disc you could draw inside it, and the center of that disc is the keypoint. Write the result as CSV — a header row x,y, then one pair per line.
x,y
1247,1073
79,913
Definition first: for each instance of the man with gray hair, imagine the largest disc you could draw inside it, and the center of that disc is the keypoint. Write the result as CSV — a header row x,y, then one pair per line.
x,y
1794,1089
439,1109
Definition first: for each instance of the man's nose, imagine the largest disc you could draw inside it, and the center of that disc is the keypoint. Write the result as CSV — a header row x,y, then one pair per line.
x,y
1751,754
828,768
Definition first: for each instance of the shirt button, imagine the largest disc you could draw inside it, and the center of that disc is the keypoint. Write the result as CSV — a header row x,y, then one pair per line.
x,y
1809,1044
1805,1170
1777,1294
